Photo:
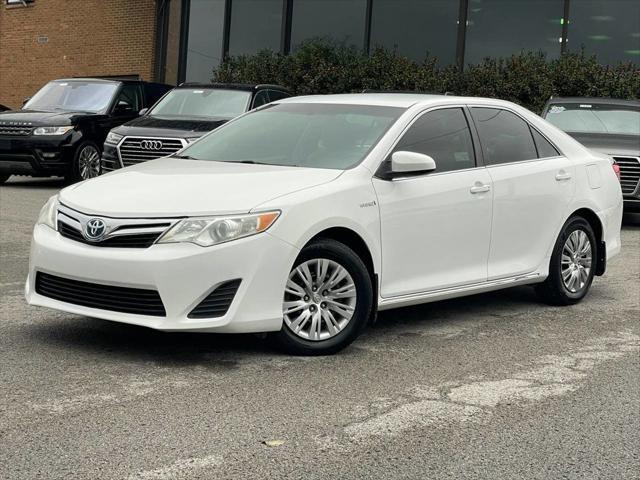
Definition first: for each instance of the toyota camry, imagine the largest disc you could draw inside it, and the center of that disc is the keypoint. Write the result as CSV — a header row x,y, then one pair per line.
x,y
305,217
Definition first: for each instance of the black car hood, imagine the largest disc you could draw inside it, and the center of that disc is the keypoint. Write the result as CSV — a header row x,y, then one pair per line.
x,y
35,117
609,143
174,127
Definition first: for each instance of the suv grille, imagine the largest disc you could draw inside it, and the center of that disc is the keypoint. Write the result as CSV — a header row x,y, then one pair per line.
x,y
135,150
629,173
18,130
104,297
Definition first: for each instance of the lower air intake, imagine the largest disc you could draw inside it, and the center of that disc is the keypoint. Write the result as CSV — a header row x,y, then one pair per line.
x,y
217,303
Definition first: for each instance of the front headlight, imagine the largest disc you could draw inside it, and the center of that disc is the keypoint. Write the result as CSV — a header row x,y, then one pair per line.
x,y
113,138
214,230
52,130
49,213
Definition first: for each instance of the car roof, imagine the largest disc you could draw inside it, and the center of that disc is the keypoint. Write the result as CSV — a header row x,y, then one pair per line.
x,y
249,87
594,100
401,100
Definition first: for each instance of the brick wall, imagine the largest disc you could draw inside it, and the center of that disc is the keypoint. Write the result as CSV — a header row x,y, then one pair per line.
x,y
68,38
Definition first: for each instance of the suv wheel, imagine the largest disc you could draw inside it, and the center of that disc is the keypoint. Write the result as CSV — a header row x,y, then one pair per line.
x,y
86,163
327,300
572,265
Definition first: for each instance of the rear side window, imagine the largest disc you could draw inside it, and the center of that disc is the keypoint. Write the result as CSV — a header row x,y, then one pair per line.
x,y
545,149
504,136
444,135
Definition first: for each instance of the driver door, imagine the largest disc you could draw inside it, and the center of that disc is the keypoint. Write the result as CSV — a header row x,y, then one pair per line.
x,y
436,227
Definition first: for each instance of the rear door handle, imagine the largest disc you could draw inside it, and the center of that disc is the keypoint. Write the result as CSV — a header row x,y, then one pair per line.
x,y
480,188
562,175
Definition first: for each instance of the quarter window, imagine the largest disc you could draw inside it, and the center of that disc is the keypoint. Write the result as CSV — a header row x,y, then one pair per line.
x,y
545,149
444,135
504,136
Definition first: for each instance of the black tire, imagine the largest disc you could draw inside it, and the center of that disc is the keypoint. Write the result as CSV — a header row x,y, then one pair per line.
x,y
553,290
337,252
4,178
74,173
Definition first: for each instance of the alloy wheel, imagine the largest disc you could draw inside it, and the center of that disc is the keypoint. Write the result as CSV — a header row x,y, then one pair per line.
x,y
89,162
576,261
319,300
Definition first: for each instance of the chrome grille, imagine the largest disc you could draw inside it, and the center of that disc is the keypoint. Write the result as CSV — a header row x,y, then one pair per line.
x,y
120,232
17,130
629,173
135,150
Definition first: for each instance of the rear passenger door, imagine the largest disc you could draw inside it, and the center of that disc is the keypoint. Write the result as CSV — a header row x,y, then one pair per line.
x,y
532,186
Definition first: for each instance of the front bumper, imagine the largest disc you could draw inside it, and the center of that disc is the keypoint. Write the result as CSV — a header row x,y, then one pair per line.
x,y
29,155
183,274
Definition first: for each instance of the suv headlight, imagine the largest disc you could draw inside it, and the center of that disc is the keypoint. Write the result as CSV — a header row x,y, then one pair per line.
x,y
113,138
214,230
52,130
49,213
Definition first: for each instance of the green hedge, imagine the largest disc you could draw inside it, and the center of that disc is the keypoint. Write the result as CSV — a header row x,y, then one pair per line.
x,y
528,79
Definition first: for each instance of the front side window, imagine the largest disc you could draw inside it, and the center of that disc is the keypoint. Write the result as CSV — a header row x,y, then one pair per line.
x,y
595,118
202,102
261,98
129,98
73,96
443,135
298,135
504,136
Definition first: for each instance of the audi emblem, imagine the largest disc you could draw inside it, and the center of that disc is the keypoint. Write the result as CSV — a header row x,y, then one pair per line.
x,y
95,229
151,144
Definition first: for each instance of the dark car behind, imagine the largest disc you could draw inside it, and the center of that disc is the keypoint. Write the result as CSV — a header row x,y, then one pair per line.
x,y
61,129
608,126
180,117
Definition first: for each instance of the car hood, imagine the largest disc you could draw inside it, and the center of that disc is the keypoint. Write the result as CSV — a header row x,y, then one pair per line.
x,y
170,187
35,117
150,126
609,144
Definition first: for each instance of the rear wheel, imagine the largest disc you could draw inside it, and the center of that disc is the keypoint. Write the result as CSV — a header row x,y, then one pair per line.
x,y
327,300
86,163
572,264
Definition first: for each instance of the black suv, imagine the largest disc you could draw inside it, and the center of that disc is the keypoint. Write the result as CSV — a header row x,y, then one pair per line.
x,y
60,130
180,117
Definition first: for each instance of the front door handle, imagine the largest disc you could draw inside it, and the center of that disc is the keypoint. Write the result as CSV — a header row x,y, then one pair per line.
x,y
562,175
480,188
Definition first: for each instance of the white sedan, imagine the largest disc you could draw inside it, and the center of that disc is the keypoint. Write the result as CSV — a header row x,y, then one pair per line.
x,y
305,217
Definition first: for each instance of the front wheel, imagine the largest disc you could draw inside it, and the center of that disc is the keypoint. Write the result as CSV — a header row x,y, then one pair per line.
x,y
571,268
86,163
327,300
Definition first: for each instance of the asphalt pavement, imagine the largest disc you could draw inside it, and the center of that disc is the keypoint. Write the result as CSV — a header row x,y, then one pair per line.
x,y
491,386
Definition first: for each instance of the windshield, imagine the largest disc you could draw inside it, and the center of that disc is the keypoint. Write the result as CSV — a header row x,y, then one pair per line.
x,y
298,134
73,96
207,102
595,118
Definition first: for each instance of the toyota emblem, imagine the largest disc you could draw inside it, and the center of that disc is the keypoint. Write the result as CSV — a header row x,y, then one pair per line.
x,y
95,229
151,144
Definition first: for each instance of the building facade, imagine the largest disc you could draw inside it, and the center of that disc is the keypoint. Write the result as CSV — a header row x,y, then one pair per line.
x,y
173,41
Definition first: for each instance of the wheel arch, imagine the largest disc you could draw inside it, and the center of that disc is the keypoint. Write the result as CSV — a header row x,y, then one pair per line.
x,y
596,224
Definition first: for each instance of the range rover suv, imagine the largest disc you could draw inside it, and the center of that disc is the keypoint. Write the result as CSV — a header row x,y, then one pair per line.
x,y
182,116
608,126
60,130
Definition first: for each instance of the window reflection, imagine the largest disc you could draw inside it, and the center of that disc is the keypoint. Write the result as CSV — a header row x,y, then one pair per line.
x,y
204,45
255,25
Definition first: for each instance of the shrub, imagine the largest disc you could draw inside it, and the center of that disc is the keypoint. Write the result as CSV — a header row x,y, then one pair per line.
x,y
529,78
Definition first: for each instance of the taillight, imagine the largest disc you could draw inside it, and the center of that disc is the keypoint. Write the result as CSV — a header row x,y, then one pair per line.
x,y
616,169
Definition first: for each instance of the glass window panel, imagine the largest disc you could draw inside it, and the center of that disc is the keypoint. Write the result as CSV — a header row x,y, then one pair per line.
x,y
609,29
204,47
341,21
545,149
501,28
443,135
255,25
413,28
504,136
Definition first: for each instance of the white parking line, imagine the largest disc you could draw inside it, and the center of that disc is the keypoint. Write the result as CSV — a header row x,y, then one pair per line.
x,y
179,469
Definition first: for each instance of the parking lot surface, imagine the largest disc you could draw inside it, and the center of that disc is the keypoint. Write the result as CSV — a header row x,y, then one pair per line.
x,y
490,386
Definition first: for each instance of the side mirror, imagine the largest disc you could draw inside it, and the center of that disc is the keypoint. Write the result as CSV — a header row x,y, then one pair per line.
x,y
143,111
123,108
407,164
